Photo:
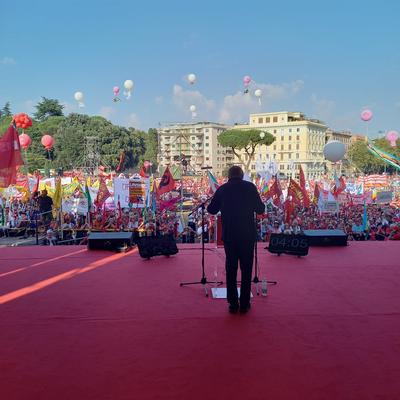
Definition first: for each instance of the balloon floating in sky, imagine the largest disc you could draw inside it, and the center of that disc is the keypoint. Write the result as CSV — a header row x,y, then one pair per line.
x,y
334,151
78,96
128,85
47,142
246,83
25,141
22,121
116,92
392,137
366,115
258,94
193,111
191,78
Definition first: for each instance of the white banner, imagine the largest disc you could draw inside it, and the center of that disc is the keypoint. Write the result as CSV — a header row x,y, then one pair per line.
x,y
329,206
77,205
127,189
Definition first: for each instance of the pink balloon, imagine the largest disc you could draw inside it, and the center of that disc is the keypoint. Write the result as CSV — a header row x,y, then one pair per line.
x,y
366,115
116,90
25,141
47,142
392,137
246,80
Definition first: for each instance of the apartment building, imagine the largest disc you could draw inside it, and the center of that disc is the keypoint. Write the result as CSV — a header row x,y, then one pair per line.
x,y
298,141
193,146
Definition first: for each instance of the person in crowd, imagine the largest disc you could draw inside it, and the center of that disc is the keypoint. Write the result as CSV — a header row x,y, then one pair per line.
x,y
45,207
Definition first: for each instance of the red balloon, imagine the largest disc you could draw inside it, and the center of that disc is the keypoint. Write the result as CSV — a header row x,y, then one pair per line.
x,y
25,141
47,142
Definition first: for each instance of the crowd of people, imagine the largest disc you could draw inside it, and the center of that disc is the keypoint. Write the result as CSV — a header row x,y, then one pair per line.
x,y
27,218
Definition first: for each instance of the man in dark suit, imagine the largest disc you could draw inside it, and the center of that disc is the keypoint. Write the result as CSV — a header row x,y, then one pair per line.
x,y
238,200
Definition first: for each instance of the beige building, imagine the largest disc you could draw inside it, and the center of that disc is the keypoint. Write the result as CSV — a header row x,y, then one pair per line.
x,y
298,141
347,139
193,146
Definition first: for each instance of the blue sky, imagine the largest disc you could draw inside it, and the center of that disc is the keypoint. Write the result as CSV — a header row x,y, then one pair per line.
x,y
328,60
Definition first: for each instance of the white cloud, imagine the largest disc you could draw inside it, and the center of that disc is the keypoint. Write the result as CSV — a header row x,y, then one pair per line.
x,y
323,108
69,107
7,61
183,99
132,120
107,112
237,107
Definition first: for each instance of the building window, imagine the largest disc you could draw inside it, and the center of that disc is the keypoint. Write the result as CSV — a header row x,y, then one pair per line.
x,y
207,137
207,152
297,155
268,119
207,158
274,156
274,146
206,130
207,144
260,120
282,146
281,156
274,130
290,147
298,137
282,138
297,146
298,130
289,156
274,119
290,130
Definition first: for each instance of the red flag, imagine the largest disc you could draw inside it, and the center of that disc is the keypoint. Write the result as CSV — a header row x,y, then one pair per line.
x,y
295,191
121,162
275,193
145,171
340,186
167,182
306,198
302,179
289,210
10,157
103,194
36,187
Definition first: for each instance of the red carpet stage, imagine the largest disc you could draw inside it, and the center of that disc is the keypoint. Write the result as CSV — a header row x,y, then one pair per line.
x,y
87,325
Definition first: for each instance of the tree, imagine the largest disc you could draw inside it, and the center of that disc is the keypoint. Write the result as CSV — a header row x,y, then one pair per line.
x,y
244,139
48,108
6,111
151,142
363,160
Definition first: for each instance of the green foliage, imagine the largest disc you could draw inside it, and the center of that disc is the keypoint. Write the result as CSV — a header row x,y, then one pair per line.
x,y
151,139
244,139
366,162
48,108
4,124
6,110
112,140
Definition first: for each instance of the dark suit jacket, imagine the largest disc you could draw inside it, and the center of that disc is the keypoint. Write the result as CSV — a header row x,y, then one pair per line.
x,y
237,200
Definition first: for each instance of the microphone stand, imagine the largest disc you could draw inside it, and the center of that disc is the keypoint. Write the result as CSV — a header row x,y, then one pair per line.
x,y
203,281
256,279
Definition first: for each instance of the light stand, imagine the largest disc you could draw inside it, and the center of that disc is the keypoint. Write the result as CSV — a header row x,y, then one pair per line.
x,y
203,281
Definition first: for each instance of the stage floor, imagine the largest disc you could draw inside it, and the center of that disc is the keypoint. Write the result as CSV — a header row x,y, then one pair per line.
x,y
78,324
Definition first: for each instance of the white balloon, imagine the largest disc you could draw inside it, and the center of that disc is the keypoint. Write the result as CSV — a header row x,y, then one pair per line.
x,y
334,151
128,84
78,96
191,78
193,109
258,93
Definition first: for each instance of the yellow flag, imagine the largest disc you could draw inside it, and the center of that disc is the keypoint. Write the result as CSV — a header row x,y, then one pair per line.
x,y
57,198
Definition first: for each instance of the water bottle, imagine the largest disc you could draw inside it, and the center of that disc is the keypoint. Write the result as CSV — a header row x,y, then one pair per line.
x,y
264,287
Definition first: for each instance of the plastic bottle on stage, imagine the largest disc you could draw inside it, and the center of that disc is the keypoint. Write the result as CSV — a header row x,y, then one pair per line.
x,y
264,287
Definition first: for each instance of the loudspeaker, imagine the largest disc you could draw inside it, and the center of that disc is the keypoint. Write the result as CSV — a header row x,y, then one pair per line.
x,y
116,241
326,237
150,246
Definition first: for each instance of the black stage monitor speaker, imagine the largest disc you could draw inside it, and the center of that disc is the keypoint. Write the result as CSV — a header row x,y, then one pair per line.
x,y
326,237
110,240
150,246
